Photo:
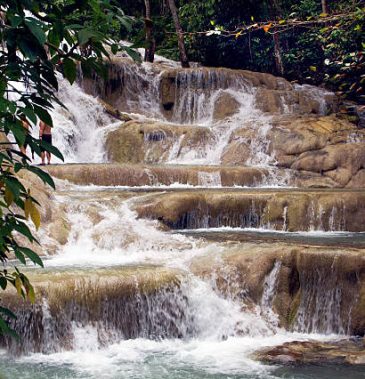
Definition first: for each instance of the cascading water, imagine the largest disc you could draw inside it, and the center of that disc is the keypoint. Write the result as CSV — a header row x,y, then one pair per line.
x,y
268,295
124,296
79,130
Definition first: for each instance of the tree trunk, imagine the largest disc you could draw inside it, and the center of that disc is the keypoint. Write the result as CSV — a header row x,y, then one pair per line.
x,y
324,6
277,52
149,54
180,35
274,9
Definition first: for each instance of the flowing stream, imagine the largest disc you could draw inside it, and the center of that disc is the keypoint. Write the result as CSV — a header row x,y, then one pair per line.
x,y
125,297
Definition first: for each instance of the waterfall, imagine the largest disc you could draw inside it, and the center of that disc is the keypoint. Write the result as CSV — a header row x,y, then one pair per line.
x,y
79,130
224,102
209,179
320,309
197,90
268,295
138,285
133,88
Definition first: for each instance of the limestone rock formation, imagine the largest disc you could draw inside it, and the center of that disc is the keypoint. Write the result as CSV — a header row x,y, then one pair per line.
x,y
153,142
321,151
316,289
341,352
149,175
116,300
53,216
282,210
225,106
331,147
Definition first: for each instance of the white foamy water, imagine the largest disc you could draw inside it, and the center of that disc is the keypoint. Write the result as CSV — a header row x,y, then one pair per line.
x,y
108,232
80,129
196,106
218,333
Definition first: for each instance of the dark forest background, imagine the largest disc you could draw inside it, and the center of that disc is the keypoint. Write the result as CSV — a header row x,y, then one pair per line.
x,y
329,53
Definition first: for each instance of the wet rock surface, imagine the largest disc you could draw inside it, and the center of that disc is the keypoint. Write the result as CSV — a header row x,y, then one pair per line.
x,y
321,150
314,289
157,175
153,142
330,151
118,301
343,352
280,210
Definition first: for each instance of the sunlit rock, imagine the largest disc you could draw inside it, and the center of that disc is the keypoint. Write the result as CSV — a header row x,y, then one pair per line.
x,y
314,289
118,302
282,210
343,352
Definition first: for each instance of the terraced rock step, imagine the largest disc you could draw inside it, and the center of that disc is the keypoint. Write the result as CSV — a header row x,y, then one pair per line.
x,y
287,210
134,175
144,175
122,303
305,288
328,150
342,239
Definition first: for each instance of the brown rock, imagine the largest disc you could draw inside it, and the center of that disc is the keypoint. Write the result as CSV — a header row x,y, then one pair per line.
x,y
289,210
358,180
225,107
307,276
153,142
315,352
114,112
139,175
340,162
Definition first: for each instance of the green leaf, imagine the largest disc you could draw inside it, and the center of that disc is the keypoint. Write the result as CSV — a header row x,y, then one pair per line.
x,y
44,176
3,282
43,114
126,22
30,114
54,37
114,48
19,132
15,20
69,70
133,54
34,257
36,30
5,329
14,185
52,149
28,49
7,312
21,258
85,35
23,229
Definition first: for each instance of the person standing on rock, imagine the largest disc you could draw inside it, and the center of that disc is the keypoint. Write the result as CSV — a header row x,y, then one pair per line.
x,y
45,134
26,126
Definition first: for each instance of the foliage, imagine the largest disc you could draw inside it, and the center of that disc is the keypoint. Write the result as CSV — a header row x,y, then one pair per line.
x,y
39,39
331,53
313,51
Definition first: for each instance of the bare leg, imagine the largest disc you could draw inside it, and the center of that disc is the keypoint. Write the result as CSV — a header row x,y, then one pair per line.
x,y
49,157
43,156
